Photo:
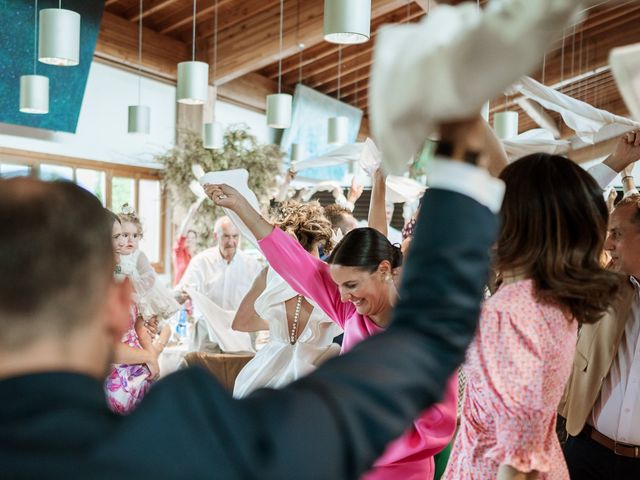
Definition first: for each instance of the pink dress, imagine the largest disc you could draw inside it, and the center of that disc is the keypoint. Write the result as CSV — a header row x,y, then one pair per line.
x,y
516,369
127,384
410,457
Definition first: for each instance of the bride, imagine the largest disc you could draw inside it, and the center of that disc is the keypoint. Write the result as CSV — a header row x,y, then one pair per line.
x,y
301,334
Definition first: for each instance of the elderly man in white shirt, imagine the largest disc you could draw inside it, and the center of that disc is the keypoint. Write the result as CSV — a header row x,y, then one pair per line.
x,y
224,274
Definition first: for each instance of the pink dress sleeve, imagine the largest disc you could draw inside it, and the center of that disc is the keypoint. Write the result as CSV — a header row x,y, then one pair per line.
x,y
515,366
306,274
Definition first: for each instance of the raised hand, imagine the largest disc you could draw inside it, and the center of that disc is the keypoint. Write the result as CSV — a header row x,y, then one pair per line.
x,y
626,152
224,196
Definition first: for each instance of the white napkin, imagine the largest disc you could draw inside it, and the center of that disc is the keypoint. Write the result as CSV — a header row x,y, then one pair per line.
x,y
534,141
448,65
237,179
591,124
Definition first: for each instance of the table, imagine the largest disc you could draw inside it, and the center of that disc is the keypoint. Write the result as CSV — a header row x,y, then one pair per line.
x,y
224,366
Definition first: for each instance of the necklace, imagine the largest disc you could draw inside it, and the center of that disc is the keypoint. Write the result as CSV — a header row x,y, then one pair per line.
x,y
293,333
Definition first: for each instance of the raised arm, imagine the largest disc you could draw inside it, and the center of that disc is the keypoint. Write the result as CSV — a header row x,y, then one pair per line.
x,y
306,274
628,182
377,213
247,319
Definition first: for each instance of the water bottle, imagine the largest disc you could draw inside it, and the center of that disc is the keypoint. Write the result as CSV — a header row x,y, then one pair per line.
x,y
181,327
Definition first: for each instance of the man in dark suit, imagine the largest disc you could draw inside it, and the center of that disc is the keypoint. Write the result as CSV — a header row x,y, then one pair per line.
x,y
61,312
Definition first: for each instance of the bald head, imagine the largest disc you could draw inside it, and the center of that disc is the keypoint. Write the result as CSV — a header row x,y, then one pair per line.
x,y
56,259
227,236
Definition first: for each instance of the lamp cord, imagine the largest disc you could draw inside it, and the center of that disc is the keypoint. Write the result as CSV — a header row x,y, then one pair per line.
x,y
339,68
140,55
215,41
193,38
35,37
280,55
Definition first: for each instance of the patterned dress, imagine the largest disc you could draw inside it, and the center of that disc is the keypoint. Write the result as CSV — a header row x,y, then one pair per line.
x,y
516,370
127,384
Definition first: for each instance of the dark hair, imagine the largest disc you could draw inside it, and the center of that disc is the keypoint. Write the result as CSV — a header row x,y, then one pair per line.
x,y
365,248
112,216
335,213
56,259
554,223
632,201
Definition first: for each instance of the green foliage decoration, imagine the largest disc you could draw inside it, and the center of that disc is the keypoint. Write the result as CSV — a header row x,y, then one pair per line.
x,y
241,150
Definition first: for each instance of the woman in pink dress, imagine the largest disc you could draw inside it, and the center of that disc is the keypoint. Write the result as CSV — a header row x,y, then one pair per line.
x,y
356,290
135,369
554,221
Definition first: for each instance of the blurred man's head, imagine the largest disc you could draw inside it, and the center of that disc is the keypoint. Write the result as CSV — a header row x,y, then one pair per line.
x,y
389,207
227,236
57,292
340,218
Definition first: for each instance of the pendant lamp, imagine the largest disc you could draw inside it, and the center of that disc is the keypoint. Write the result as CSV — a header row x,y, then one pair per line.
x,y
213,137
193,77
59,39
347,21
34,89
279,104
139,121
338,126
338,130
297,152
505,124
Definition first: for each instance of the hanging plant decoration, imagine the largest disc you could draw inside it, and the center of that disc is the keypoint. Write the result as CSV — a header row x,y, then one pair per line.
x,y
241,150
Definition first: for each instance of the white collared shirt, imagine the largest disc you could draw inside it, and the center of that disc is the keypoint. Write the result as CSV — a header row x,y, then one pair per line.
x,y
225,283
616,413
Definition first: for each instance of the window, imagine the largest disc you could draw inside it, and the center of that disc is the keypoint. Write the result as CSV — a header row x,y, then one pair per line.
x,y
55,172
94,181
112,184
8,170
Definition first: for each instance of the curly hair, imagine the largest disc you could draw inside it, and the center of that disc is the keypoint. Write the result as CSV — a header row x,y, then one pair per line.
x,y
334,213
128,215
306,221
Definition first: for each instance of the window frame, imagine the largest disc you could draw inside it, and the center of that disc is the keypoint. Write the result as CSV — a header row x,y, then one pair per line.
x,y
111,170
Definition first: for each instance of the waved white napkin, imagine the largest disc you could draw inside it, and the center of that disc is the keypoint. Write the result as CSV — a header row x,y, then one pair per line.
x,y
448,65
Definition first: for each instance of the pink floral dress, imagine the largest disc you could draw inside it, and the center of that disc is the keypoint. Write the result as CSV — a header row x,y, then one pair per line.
x,y
516,369
127,384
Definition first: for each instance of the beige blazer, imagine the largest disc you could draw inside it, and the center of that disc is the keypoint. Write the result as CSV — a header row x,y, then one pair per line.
x,y
597,347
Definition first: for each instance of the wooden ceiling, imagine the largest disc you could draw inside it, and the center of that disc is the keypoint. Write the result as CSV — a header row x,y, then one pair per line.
x,y
248,48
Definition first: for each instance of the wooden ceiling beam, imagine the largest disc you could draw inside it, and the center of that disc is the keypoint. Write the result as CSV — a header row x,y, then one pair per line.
x,y
240,53
133,14
118,43
205,9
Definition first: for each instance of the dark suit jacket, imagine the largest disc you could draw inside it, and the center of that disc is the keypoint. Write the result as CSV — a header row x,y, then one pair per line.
x,y
330,425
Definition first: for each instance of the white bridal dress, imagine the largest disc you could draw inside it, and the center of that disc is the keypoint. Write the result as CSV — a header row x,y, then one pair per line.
x,y
279,363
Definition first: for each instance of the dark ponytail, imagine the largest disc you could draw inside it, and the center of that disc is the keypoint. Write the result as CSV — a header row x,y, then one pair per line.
x,y
365,248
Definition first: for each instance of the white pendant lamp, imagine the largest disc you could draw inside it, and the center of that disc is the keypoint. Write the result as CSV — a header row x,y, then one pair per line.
x,y
297,152
338,126
347,21
59,40
505,124
34,94
279,104
34,89
213,136
139,121
193,77
338,130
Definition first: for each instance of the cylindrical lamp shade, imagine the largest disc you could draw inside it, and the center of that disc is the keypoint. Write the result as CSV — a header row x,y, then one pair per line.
x,y
347,21
34,94
297,152
59,37
338,130
193,82
139,119
213,135
505,124
279,110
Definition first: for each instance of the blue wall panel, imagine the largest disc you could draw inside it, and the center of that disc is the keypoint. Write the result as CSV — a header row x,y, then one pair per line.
x,y
66,84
